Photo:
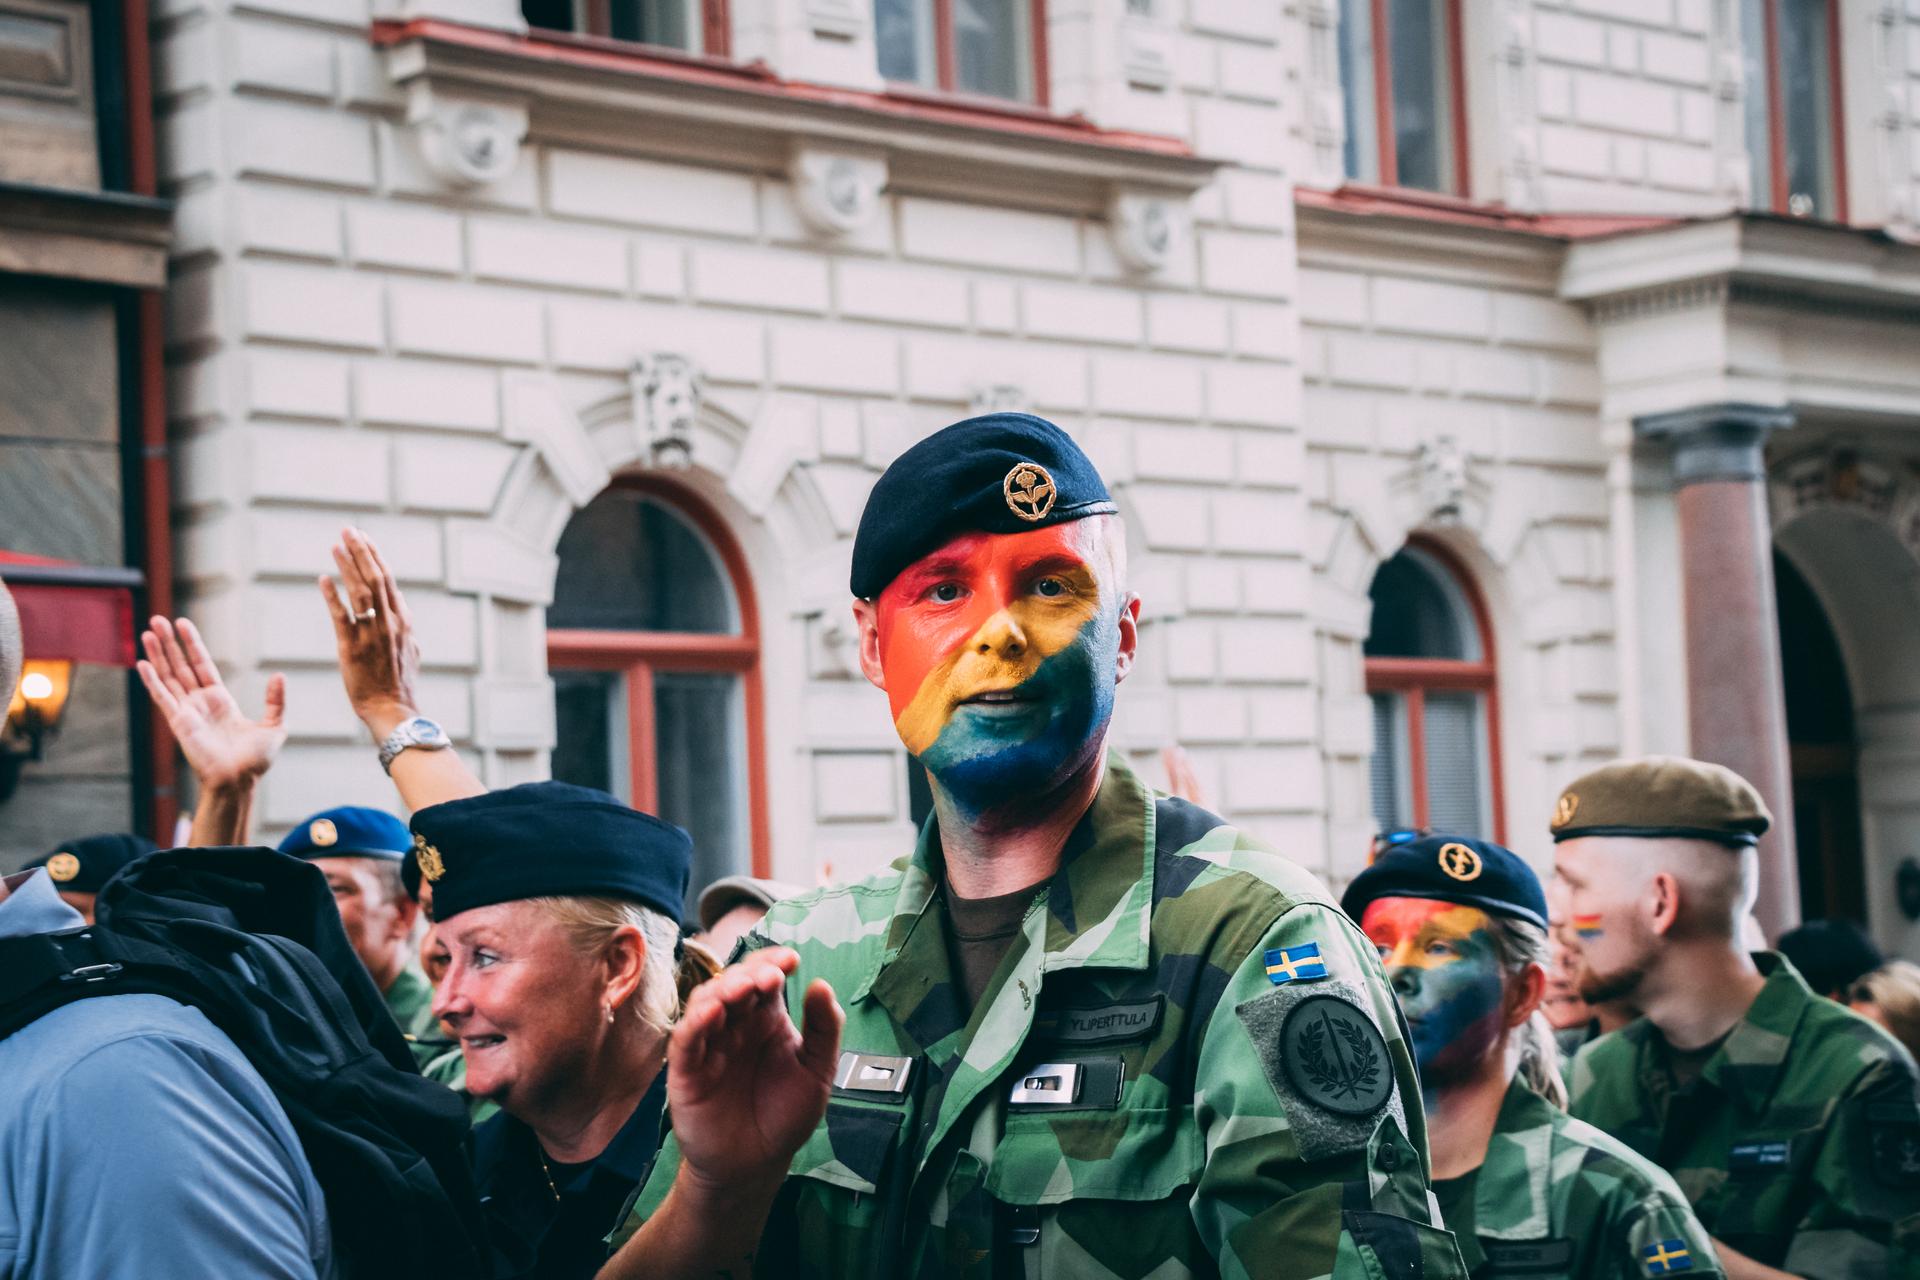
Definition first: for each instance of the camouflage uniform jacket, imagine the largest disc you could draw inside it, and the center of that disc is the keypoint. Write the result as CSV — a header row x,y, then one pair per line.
x,y
1558,1198
1148,995
410,1001
1799,1145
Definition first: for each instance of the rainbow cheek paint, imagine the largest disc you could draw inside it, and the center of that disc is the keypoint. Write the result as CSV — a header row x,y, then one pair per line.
x,y
1588,928
1445,970
999,659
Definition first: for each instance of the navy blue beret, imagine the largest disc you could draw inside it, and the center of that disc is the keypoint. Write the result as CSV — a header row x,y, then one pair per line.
x,y
83,866
549,840
1001,473
1474,873
349,832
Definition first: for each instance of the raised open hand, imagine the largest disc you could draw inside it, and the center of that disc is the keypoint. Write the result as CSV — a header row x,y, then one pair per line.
x,y
379,656
745,1086
223,747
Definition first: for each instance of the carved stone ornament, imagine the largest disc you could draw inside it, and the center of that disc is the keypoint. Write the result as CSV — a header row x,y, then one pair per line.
x,y
1146,228
836,191
1442,469
467,142
666,399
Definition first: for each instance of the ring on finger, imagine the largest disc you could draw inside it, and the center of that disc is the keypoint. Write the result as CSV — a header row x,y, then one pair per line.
x,y
367,614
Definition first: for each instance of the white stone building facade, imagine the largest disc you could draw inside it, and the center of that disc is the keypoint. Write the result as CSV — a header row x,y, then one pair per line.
x,y
450,279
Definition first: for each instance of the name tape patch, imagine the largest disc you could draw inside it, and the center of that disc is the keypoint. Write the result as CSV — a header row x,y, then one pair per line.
x,y
1103,1024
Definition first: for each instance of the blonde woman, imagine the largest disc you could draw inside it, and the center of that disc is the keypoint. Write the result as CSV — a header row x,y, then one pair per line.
x,y
1890,995
1462,929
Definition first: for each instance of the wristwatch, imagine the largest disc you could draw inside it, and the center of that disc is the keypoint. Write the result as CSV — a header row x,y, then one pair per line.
x,y
417,732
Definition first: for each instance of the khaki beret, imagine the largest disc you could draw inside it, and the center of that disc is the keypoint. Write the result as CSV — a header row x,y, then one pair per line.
x,y
1662,796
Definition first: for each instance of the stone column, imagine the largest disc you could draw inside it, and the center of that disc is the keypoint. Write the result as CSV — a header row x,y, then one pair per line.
x,y
1736,701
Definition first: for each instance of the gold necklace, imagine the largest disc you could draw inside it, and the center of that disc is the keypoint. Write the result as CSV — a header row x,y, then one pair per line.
x,y
549,1172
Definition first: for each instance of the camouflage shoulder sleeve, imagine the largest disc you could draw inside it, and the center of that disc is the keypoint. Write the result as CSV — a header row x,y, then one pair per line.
x,y
1864,1218
1648,1227
1602,1081
1314,1141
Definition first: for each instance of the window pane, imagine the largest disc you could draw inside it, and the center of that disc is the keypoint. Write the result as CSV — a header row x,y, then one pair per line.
x,y
1457,792
1753,62
628,563
700,736
1362,152
668,22
554,15
1422,94
903,33
1807,100
1392,784
590,715
991,48
1419,611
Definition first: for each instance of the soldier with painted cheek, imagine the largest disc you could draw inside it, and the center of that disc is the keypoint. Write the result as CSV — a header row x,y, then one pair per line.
x,y
1791,1123
1461,925
1090,1030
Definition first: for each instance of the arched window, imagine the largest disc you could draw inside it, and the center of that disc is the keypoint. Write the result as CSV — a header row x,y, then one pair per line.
x,y
1430,672
654,646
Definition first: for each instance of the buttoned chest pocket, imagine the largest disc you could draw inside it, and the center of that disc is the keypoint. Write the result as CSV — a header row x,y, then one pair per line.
x,y
837,1182
1089,1193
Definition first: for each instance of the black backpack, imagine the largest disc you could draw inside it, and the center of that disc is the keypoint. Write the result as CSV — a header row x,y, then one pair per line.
x,y
252,939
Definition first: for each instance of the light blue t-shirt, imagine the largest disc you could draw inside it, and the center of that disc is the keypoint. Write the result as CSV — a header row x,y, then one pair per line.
x,y
137,1142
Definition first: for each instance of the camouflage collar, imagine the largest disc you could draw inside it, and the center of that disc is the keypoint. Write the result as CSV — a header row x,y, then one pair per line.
x,y
1750,1059
1099,903
1510,1195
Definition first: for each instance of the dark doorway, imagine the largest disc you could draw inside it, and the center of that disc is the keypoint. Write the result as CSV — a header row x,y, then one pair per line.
x,y
1825,753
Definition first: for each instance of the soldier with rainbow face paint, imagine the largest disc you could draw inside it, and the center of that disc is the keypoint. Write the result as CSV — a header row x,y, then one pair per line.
x,y
1090,1030
1461,925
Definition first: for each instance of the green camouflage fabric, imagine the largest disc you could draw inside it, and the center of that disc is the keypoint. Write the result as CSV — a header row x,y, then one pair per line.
x,y
1196,1150
410,1000
1799,1145
1556,1197
450,1069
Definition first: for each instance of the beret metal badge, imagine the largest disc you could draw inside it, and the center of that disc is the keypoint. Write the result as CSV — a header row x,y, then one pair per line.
x,y
1564,811
63,866
432,866
1460,862
322,832
1029,491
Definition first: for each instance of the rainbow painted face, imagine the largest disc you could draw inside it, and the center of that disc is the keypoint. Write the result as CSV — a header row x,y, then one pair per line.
x,y
1000,654
1445,969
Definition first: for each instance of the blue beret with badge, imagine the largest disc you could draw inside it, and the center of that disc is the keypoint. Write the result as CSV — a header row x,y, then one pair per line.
x,y
549,840
85,865
350,831
1473,873
1000,473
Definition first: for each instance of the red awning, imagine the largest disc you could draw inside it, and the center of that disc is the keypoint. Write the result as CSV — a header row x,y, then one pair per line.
x,y
72,611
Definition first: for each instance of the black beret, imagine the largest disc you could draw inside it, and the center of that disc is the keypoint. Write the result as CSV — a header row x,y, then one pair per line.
x,y
549,840
83,866
1473,873
1659,796
1001,473
350,832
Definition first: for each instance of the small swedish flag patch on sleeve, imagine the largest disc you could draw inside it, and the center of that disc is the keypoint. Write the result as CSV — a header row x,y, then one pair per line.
x,y
1295,964
1666,1257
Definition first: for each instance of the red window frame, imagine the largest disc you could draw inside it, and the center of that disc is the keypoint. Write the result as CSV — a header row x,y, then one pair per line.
x,y
1778,195
1389,160
639,654
946,60
1413,678
716,29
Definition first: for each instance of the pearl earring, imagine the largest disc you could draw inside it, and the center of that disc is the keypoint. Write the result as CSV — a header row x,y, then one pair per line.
x,y
609,1015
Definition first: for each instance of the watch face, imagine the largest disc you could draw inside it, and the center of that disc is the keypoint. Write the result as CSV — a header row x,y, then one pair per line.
x,y
425,732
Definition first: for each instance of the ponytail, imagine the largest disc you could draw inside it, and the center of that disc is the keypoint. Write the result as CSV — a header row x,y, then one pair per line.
x,y
1521,946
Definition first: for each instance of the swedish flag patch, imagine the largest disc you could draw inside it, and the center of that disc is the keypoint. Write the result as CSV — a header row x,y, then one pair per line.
x,y
1667,1257
1295,964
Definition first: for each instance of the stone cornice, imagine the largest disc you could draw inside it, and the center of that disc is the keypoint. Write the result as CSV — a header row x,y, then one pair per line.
x,y
92,236
603,95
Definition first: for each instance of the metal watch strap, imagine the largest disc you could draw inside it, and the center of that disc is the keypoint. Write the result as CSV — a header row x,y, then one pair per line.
x,y
403,736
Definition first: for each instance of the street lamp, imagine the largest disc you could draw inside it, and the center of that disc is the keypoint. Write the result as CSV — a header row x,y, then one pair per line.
x,y
33,717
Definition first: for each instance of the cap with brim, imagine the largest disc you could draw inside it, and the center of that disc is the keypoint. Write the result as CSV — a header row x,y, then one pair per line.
x,y
728,892
548,840
1452,868
1662,797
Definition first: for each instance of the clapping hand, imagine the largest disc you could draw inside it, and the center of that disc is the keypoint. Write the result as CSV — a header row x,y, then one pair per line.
x,y
744,1085
223,747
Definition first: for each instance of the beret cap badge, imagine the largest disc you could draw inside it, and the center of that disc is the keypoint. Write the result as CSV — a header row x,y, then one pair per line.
x,y
63,866
1029,491
1460,862
322,832
1564,811
432,866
